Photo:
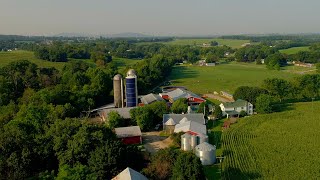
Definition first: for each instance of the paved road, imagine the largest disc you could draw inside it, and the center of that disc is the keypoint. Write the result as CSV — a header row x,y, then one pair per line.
x,y
219,98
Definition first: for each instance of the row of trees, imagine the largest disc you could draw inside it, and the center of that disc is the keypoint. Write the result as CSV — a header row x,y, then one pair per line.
x,y
273,91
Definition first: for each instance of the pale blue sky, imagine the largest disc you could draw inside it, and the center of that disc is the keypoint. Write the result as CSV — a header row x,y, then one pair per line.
x,y
159,17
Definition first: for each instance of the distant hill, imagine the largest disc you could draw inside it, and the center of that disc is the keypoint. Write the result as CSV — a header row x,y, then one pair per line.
x,y
127,35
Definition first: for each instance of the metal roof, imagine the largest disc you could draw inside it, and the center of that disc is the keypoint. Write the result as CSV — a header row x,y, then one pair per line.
x,y
191,126
123,112
130,131
237,103
129,174
170,122
205,147
150,98
197,117
181,93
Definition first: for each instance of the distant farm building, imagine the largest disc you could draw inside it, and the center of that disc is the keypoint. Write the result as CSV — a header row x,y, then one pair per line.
x,y
151,98
227,95
129,135
167,89
123,112
129,174
231,109
193,123
301,64
178,93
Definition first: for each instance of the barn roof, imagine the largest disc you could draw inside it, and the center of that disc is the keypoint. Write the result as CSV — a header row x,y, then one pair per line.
x,y
182,93
191,126
150,98
130,131
197,117
123,112
129,174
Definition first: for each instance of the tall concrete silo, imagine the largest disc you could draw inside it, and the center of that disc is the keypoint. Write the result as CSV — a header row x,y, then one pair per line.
x,y
206,152
131,88
118,91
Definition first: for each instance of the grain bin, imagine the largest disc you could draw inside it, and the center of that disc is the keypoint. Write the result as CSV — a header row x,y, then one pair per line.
x,y
193,141
206,152
118,91
185,142
131,88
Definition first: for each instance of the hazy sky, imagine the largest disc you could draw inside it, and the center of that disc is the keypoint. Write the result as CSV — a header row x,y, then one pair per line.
x,y
159,17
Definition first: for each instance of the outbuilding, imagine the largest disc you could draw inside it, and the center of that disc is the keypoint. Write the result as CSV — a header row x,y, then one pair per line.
x,y
129,135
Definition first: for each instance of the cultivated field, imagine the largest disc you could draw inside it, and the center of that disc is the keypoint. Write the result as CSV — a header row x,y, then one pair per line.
x,y
7,57
234,43
294,50
282,145
225,77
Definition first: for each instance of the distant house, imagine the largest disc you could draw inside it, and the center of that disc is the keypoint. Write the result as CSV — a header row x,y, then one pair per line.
x,y
210,64
195,123
176,94
151,98
129,174
129,135
231,109
123,112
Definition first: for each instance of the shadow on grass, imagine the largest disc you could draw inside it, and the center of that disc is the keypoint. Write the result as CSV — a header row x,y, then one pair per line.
x,y
235,173
182,72
282,107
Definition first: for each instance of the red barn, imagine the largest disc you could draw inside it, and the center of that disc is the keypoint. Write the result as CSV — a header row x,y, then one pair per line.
x,y
129,135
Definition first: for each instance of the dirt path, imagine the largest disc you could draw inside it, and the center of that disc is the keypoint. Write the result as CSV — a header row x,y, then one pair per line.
x,y
218,97
153,142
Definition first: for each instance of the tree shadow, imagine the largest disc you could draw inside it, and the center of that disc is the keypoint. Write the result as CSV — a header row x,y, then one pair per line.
x,y
236,173
282,107
184,72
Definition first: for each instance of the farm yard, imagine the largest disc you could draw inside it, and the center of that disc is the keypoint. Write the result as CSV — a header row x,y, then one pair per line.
x,y
282,145
233,43
225,77
295,50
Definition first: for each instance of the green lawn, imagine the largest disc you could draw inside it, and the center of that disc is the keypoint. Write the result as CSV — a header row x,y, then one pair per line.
x,y
7,57
121,63
294,50
226,77
234,43
281,145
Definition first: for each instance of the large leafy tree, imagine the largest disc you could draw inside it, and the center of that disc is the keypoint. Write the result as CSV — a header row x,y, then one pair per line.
x,y
180,106
264,104
187,166
248,93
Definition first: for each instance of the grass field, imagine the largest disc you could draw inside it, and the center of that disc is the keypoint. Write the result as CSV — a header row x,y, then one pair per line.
x,y
7,57
294,50
282,145
226,77
234,43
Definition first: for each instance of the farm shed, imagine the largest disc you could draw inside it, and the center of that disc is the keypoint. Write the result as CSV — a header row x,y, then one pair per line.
x,y
182,93
123,112
150,98
129,135
171,120
129,174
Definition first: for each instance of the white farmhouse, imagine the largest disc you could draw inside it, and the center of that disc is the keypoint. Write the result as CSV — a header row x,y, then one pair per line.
x,y
234,108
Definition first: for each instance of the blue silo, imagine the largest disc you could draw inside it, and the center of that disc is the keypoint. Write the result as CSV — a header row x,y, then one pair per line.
x,y
131,88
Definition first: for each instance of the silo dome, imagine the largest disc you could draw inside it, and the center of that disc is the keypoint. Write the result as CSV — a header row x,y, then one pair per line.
x,y
131,72
117,77
207,153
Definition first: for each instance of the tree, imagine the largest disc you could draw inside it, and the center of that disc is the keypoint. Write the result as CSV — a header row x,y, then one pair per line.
x,y
180,106
217,113
248,93
275,61
264,104
187,166
242,113
160,167
214,43
203,108
114,120
279,88
79,171
158,109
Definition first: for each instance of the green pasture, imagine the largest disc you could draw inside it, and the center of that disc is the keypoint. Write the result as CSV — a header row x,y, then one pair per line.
x,y
295,50
225,77
234,43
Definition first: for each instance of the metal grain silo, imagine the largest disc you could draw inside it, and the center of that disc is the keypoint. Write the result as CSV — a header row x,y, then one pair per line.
x,y
185,142
131,88
118,91
193,141
206,152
